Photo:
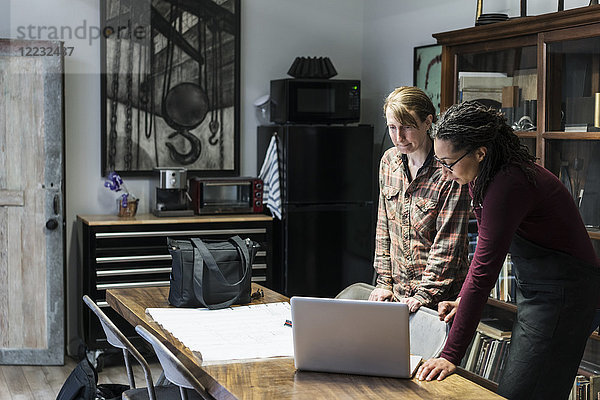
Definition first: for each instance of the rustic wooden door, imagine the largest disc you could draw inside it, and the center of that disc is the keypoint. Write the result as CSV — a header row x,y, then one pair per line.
x,y
31,203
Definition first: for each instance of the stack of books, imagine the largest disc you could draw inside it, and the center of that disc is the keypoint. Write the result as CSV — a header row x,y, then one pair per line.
x,y
482,85
489,349
580,128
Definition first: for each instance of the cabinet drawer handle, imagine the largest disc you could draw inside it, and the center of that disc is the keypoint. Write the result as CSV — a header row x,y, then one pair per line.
x,y
102,304
125,285
212,232
259,266
124,259
163,257
259,279
136,271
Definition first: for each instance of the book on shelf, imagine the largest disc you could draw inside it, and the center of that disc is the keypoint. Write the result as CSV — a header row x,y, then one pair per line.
x,y
493,94
485,345
581,128
502,361
498,361
486,356
473,352
581,389
481,74
506,286
594,386
490,359
491,81
483,86
526,80
495,328
585,387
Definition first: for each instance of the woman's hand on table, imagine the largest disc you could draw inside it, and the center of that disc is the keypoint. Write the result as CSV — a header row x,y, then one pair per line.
x,y
435,367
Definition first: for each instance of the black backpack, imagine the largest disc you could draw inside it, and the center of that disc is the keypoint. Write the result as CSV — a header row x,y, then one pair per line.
x,y
82,385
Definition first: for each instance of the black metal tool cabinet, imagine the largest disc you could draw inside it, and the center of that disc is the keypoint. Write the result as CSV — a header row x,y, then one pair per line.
x,y
121,253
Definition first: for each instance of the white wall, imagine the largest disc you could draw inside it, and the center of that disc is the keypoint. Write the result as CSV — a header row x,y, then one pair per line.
x,y
275,32
372,40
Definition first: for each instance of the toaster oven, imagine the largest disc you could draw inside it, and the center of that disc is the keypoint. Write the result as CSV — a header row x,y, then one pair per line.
x,y
239,195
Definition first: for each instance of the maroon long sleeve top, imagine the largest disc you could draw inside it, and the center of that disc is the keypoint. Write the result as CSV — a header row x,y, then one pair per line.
x,y
545,214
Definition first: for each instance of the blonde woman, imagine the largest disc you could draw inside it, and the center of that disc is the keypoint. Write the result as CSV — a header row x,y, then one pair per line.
x,y
421,244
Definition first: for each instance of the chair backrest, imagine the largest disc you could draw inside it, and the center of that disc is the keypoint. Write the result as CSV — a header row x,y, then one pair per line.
x,y
427,333
116,338
173,369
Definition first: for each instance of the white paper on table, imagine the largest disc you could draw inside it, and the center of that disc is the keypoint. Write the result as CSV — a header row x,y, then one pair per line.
x,y
235,333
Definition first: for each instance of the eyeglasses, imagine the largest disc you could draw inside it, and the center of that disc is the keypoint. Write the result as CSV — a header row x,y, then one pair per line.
x,y
449,166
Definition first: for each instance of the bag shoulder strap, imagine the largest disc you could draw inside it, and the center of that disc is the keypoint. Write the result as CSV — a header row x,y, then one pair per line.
x,y
203,256
211,264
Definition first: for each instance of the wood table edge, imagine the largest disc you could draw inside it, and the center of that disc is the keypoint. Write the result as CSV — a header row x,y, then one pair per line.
x,y
213,387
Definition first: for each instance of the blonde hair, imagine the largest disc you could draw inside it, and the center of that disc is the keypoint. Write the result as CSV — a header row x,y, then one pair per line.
x,y
409,98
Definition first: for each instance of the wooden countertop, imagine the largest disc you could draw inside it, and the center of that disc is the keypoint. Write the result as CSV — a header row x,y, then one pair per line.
x,y
146,219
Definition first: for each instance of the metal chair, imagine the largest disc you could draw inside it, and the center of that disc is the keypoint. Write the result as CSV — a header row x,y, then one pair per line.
x,y
427,333
116,338
174,370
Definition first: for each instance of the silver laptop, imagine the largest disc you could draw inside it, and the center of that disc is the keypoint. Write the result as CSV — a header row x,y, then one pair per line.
x,y
352,337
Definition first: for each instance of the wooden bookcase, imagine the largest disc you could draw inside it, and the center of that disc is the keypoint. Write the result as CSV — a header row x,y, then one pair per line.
x,y
547,68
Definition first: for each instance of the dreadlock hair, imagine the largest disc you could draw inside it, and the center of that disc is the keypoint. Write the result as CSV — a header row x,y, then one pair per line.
x,y
471,125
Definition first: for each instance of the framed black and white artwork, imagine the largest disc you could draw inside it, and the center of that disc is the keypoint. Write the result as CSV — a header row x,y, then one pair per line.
x,y
427,71
170,86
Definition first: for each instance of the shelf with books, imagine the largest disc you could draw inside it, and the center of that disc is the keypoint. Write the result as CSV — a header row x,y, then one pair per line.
x,y
488,350
585,387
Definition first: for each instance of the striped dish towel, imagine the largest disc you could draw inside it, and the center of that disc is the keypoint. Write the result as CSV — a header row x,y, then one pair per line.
x,y
269,173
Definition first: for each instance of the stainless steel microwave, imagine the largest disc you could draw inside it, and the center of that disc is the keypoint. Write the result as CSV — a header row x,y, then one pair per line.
x,y
239,195
315,101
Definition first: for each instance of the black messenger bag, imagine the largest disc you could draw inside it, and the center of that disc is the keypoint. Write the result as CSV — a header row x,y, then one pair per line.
x,y
212,274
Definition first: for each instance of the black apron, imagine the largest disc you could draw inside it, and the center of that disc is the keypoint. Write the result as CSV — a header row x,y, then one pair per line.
x,y
557,296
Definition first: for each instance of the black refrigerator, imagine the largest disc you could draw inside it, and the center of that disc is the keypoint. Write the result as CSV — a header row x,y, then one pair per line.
x,y
325,239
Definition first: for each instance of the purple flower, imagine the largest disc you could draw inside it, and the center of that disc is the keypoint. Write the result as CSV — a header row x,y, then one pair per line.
x,y
115,183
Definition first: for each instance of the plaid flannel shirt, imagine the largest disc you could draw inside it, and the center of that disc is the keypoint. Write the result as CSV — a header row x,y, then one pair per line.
x,y
421,243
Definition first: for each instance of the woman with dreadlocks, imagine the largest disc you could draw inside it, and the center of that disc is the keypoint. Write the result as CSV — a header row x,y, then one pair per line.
x,y
524,208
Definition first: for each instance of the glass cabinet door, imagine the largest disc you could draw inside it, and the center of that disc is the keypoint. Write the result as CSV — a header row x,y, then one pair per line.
x,y
506,80
571,133
577,164
573,85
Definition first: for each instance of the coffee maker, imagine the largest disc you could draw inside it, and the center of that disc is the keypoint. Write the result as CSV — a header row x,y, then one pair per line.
x,y
172,198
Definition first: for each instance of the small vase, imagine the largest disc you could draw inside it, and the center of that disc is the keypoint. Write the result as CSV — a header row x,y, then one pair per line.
x,y
130,210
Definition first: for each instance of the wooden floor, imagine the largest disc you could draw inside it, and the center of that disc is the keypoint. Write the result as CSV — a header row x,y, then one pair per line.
x,y
33,382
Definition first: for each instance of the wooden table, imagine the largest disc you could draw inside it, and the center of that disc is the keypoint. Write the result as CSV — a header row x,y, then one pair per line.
x,y
276,378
